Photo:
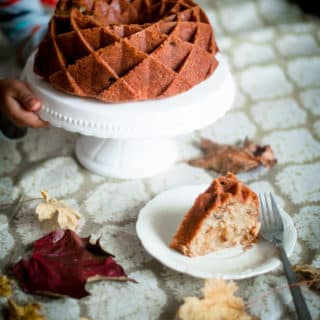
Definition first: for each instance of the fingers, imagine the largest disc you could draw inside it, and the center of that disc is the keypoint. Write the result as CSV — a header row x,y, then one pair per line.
x,y
22,117
19,104
24,95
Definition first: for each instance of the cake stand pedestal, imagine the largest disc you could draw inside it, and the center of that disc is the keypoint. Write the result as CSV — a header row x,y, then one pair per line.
x,y
133,140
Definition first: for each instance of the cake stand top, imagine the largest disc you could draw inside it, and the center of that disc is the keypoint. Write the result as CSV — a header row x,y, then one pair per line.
x,y
194,109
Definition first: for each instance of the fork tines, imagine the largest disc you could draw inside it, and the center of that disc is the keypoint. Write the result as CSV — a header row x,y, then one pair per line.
x,y
270,214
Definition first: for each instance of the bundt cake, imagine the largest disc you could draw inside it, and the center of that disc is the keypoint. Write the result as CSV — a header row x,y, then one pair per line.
x,y
225,215
126,50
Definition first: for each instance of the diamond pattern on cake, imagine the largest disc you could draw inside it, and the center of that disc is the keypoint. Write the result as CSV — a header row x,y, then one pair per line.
x,y
121,50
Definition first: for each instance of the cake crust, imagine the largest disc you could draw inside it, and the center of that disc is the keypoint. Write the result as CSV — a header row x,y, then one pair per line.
x,y
127,50
225,215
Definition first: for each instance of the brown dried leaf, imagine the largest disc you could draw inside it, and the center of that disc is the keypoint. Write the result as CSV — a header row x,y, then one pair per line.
x,y
67,218
309,273
28,311
5,287
225,158
218,303
262,153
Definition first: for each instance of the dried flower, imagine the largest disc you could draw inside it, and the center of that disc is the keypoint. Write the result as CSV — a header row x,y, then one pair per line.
x,y
29,311
67,218
218,303
5,287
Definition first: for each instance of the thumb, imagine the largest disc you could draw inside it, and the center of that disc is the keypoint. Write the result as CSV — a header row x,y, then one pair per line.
x,y
27,98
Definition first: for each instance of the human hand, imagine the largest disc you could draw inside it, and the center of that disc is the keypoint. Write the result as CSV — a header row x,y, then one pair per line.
x,y
19,104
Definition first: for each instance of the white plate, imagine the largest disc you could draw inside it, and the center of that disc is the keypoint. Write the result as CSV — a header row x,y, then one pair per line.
x,y
159,219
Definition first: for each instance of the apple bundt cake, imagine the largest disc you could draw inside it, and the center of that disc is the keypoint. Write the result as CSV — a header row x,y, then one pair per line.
x,y
225,215
127,50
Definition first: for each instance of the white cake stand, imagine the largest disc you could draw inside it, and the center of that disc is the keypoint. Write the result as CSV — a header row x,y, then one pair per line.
x,y
133,140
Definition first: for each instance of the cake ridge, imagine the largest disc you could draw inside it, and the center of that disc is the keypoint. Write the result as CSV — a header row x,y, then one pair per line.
x,y
93,29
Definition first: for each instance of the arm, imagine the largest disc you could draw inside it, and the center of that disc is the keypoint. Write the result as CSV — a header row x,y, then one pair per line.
x,y
24,23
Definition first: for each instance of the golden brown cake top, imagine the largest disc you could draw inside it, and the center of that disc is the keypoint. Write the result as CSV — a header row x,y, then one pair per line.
x,y
228,186
220,192
127,50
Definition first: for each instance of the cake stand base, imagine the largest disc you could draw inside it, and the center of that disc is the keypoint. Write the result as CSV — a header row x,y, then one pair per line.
x,y
126,158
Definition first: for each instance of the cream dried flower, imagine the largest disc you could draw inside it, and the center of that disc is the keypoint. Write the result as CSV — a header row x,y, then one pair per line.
x,y
67,218
219,303
5,286
28,311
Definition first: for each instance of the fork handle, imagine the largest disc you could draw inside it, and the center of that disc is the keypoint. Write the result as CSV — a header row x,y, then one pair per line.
x,y
298,299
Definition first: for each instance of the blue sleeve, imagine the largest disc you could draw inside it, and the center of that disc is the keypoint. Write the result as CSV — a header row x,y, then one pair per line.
x,y
24,23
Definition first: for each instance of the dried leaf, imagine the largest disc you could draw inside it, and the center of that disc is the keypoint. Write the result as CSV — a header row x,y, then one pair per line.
x,y
29,311
218,303
67,218
62,263
309,273
225,158
5,287
262,153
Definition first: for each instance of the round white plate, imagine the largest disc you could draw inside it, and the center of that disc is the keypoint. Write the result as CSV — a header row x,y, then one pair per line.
x,y
159,219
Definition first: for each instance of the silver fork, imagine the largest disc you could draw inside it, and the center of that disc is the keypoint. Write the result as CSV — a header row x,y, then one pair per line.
x,y
272,231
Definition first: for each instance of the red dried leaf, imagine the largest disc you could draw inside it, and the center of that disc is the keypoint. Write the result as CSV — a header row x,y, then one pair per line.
x,y
225,158
62,263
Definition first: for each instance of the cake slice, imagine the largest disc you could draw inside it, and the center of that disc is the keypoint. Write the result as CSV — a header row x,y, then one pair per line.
x,y
225,215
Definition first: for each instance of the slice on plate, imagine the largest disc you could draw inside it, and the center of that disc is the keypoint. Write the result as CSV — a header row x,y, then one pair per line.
x,y
225,215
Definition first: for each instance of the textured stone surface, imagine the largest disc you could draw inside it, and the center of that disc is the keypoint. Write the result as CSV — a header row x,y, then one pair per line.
x,y
317,128
8,192
274,10
9,157
261,35
250,54
305,71
6,239
311,100
295,146
300,183
248,19
46,142
140,301
59,175
225,130
307,223
295,45
282,113
265,82
115,201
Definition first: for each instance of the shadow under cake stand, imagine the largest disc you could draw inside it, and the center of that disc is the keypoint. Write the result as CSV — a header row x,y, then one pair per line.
x,y
134,139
